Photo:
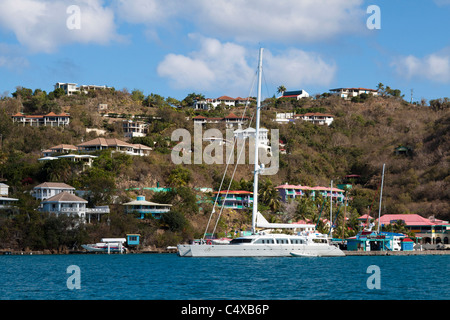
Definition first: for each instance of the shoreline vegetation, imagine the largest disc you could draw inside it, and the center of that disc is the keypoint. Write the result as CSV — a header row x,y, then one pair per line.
x,y
366,132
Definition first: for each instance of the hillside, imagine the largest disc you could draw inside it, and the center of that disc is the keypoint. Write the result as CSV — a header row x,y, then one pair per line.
x,y
363,136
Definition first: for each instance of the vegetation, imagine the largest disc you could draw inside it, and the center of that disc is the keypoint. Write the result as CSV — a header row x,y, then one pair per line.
x,y
364,135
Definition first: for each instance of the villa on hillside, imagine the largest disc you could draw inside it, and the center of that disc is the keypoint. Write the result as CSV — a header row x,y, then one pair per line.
x,y
288,192
348,93
230,121
71,88
207,104
298,94
142,208
47,190
72,205
51,119
237,200
115,145
5,201
316,118
133,129
59,149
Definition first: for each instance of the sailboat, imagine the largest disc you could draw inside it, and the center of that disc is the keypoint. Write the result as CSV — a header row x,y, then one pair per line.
x,y
262,243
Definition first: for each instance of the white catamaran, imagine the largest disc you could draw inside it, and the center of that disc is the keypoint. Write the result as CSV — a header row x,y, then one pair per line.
x,y
263,243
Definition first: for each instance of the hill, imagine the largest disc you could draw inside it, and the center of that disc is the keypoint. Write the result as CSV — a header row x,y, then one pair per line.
x,y
365,135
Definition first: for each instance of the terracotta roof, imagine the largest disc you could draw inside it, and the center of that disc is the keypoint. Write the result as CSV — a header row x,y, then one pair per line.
x,y
112,142
225,98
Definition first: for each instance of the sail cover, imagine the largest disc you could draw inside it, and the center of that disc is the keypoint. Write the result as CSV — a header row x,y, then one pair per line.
x,y
261,222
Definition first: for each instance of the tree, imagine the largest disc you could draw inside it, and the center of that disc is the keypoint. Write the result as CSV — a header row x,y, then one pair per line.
x,y
137,95
281,89
179,177
270,196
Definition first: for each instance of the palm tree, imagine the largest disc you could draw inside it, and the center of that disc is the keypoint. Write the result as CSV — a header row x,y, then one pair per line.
x,y
281,89
270,196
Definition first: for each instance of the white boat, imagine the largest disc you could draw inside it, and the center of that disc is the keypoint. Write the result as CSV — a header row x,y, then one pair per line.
x,y
262,243
108,245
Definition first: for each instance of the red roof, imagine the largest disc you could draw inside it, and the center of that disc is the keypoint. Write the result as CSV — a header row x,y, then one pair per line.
x,y
225,98
411,220
234,192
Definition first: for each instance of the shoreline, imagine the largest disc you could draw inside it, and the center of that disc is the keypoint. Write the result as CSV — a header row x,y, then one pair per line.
x,y
172,251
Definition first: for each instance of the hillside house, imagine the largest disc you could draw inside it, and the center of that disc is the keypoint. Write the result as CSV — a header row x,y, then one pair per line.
x,y
114,145
5,201
70,204
143,208
133,129
288,192
47,190
348,93
51,119
236,199
298,94
59,149
230,121
207,104
316,118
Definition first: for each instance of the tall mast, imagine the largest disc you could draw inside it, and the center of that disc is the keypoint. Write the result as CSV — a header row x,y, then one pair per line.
x,y
381,195
257,167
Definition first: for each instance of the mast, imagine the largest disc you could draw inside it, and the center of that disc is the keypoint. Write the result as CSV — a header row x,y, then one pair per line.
x,y
331,209
381,196
257,167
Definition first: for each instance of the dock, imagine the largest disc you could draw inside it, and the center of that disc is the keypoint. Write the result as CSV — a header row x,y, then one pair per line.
x,y
397,253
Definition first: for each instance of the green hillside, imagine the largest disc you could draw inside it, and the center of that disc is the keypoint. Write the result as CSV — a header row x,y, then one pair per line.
x,y
365,135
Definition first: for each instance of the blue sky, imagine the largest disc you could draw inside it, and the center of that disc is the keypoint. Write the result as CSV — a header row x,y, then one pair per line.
x,y
175,47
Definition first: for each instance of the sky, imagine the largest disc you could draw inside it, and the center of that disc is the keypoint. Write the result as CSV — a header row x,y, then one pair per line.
x,y
176,47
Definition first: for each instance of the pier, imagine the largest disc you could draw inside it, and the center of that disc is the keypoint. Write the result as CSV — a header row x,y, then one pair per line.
x,y
397,253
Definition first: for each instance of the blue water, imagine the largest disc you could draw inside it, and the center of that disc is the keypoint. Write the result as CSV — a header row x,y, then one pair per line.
x,y
168,277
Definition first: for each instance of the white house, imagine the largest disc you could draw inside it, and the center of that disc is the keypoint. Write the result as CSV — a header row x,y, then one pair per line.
x,y
348,93
298,94
70,204
47,190
133,129
5,201
316,118
59,149
69,88
242,134
207,104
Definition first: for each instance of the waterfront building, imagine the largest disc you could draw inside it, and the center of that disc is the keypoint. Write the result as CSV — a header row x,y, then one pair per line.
x,y
142,208
234,199
429,230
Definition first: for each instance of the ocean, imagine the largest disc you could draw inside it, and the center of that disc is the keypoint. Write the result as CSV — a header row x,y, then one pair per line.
x,y
169,277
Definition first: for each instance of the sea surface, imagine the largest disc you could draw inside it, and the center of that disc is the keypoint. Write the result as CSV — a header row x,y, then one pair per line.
x,y
169,277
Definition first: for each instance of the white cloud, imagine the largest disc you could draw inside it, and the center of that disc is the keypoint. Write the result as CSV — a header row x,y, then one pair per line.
x,y
286,21
434,67
41,25
230,68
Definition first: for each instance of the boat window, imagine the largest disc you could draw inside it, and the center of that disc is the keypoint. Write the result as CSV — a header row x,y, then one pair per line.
x,y
282,241
239,241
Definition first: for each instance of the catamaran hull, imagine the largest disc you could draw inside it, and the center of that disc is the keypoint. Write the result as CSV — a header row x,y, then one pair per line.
x,y
204,250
